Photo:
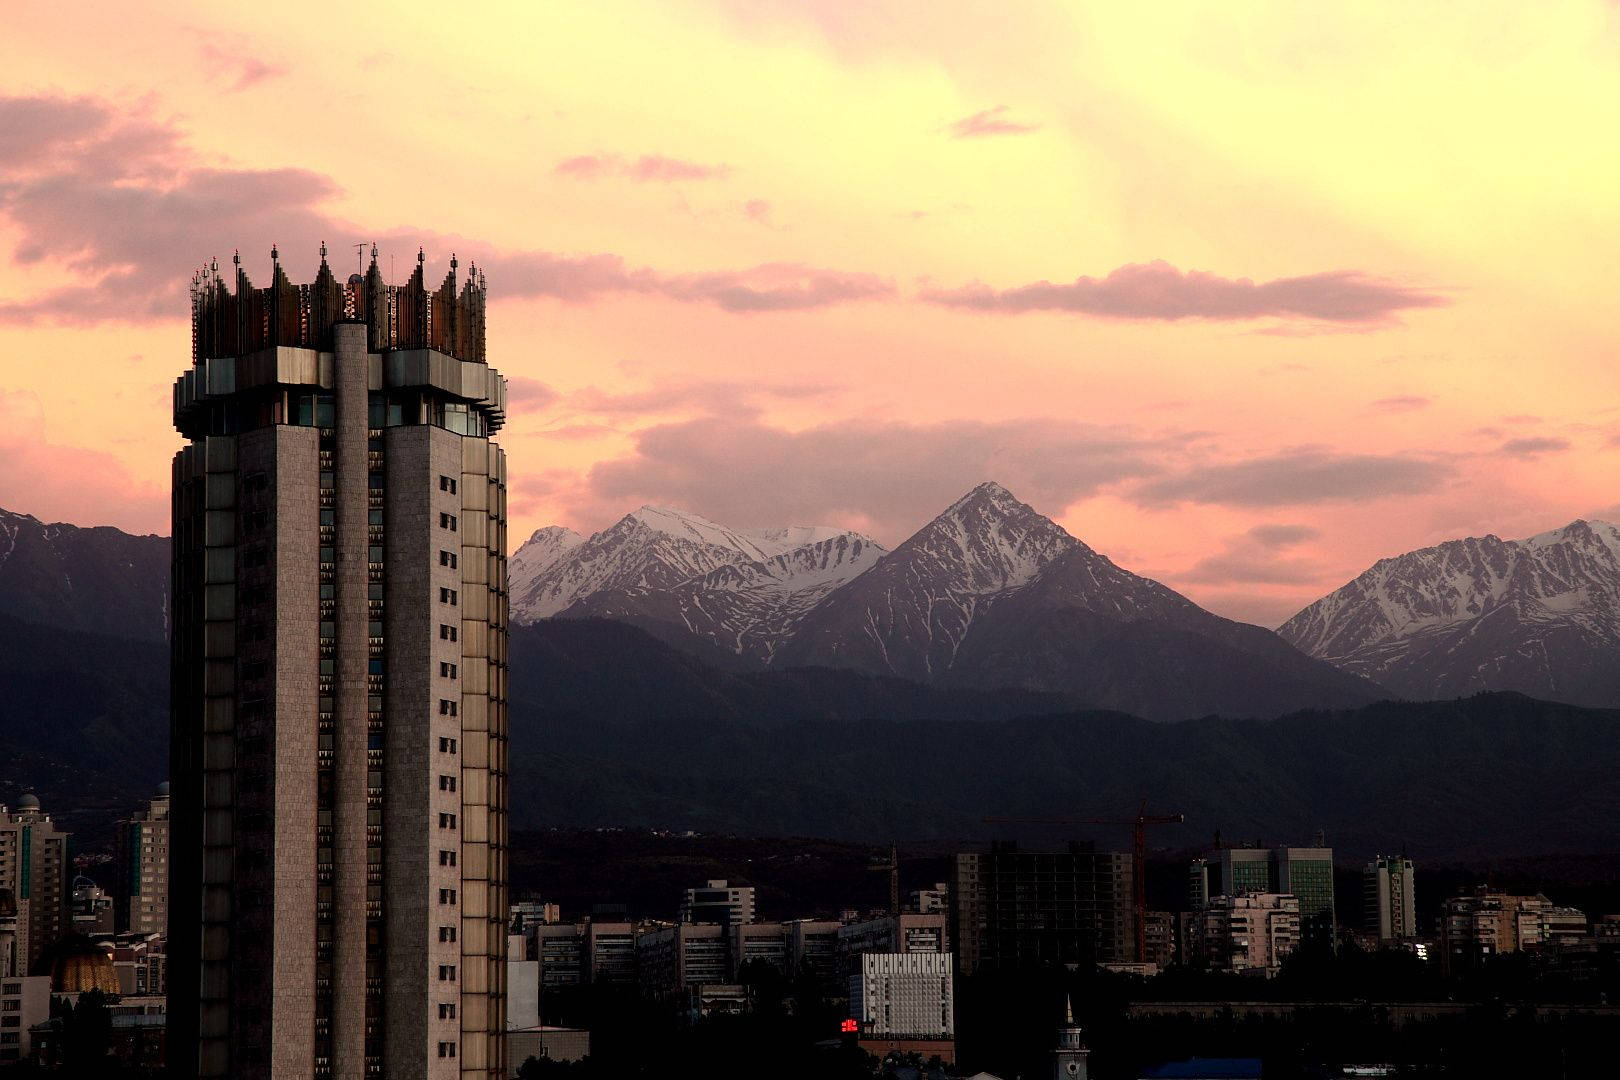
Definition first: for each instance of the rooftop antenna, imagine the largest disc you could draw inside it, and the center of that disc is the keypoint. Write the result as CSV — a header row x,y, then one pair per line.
x,y
360,259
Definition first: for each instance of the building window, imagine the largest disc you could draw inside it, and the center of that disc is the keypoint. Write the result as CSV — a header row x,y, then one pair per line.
x,y
447,933
447,1011
447,858
447,821
447,521
447,896
447,783
447,632
447,670
447,1049
447,973
447,558
447,596
447,484
447,707
447,746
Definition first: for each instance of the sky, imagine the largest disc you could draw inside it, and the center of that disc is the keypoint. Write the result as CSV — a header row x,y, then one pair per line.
x,y
1245,296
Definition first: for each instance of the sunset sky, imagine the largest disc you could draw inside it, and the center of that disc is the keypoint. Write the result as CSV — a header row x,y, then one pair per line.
x,y
1245,296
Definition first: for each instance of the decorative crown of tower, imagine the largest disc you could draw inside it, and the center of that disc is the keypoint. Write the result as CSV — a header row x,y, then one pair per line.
x,y
237,319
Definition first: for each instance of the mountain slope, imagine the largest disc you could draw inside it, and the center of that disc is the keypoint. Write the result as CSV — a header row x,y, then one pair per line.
x,y
1540,616
97,579
681,576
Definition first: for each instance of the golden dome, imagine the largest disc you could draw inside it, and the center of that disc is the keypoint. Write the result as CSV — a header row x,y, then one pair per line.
x,y
80,964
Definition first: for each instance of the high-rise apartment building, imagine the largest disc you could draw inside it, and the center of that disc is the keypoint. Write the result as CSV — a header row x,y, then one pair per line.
x,y
1015,909
1251,933
1306,873
904,995
33,867
337,901
141,890
1389,901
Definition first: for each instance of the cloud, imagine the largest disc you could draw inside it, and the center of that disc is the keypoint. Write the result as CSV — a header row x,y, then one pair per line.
x,y
1258,557
989,122
1297,477
1401,403
886,478
527,393
1157,290
110,198
713,397
648,168
758,210
1533,447
68,483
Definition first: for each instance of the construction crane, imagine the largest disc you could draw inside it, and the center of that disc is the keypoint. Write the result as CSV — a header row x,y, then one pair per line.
x,y
1138,825
892,867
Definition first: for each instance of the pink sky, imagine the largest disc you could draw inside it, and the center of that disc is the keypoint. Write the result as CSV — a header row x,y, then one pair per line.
x,y
1246,301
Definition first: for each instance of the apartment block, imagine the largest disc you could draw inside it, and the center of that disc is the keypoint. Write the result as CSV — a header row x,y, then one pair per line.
x,y
1389,903
33,868
141,885
1015,910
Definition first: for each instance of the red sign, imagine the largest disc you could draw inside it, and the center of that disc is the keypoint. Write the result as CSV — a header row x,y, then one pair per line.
x,y
849,1027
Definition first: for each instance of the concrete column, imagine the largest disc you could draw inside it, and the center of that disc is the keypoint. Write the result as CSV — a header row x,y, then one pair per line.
x,y
349,387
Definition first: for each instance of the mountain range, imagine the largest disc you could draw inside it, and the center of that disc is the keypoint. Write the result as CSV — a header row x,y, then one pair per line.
x,y
807,680
988,595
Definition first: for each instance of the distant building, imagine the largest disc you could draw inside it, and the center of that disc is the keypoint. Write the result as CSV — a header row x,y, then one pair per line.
x,y
907,932
527,914
24,1003
1479,925
757,943
91,907
141,888
904,996
928,901
141,962
522,985
673,959
1016,909
1304,873
33,866
718,902
1159,939
813,952
588,951
1250,933
546,1044
1388,899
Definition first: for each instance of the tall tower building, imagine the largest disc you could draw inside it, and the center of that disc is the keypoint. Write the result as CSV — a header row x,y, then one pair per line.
x,y
33,867
1389,898
337,903
141,891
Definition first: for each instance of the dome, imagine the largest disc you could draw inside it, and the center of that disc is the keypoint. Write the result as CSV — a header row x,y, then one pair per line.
x,y
29,801
77,964
163,790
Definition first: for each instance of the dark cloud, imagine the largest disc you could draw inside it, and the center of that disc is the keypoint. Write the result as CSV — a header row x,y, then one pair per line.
x,y
1279,536
1401,403
989,122
1158,290
111,199
889,478
1297,477
648,168
1533,447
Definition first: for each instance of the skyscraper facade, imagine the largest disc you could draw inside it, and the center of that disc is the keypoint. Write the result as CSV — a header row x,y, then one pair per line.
x,y
337,897
141,890
1018,910
1388,897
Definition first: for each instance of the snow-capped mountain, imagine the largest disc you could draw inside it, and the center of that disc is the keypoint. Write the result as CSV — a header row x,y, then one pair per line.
x,y
1541,616
993,594
675,572
536,555
97,579
909,615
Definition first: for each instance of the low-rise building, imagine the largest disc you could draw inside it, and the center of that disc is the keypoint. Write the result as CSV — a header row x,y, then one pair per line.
x,y
758,943
1251,933
672,959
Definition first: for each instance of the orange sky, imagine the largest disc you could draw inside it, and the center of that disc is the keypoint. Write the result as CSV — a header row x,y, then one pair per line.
x,y
1325,285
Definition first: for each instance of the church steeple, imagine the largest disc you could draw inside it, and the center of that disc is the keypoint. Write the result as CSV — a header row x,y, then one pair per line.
x,y
1070,1053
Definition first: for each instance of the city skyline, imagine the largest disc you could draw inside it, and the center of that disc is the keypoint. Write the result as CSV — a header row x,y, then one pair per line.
x,y
830,298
